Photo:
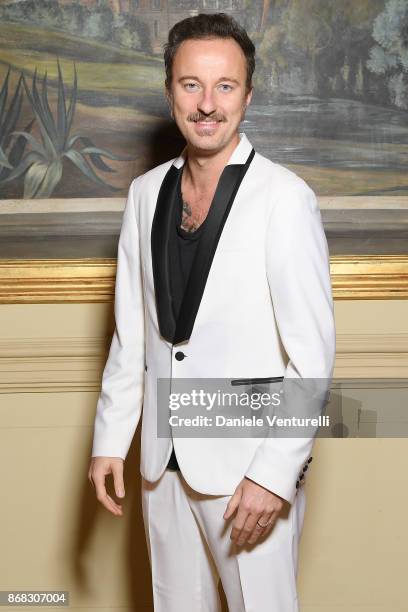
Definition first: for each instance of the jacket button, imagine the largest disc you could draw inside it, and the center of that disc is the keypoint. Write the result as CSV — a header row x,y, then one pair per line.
x,y
179,356
310,459
301,477
305,467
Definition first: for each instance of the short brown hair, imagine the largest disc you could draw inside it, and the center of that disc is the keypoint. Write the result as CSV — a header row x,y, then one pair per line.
x,y
202,26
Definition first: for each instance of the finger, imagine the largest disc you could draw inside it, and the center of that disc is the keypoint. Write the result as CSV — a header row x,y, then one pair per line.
x,y
271,524
103,497
239,522
90,478
99,482
264,533
117,471
259,531
249,528
233,503
111,505
114,505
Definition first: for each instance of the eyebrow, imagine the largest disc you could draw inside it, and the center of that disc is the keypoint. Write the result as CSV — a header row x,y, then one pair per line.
x,y
195,78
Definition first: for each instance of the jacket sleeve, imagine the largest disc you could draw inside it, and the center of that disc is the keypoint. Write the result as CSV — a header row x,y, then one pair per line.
x,y
298,271
120,401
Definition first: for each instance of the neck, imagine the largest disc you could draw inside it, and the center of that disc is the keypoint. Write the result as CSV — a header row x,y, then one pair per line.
x,y
203,171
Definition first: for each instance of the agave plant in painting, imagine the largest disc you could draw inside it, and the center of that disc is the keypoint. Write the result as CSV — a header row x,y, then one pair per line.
x,y
42,165
11,152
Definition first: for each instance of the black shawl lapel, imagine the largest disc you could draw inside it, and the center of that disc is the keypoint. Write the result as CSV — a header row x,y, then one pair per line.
x,y
228,184
160,235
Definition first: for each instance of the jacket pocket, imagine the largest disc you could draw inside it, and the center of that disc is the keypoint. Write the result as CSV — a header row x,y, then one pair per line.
x,y
256,381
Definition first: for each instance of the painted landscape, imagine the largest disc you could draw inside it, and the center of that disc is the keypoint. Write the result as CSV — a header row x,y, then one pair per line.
x,y
82,109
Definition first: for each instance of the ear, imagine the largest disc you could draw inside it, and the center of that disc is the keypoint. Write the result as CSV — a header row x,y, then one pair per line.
x,y
247,102
249,97
169,99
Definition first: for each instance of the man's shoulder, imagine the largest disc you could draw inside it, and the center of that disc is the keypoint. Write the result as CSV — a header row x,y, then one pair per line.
x,y
288,194
278,175
154,176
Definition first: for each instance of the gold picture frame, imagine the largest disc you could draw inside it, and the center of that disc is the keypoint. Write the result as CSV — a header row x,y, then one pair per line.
x,y
48,281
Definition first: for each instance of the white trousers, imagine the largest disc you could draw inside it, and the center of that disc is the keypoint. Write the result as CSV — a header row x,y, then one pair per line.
x,y
190,550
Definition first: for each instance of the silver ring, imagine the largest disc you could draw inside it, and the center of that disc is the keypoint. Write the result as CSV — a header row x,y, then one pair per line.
x,y
260,524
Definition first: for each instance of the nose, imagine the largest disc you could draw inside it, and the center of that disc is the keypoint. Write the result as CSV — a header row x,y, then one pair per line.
x,y
206,104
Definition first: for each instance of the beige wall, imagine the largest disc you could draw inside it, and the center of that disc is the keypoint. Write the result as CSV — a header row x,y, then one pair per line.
x,y
54,535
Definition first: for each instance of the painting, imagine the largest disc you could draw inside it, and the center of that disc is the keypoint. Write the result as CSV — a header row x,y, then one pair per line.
x,y
82,112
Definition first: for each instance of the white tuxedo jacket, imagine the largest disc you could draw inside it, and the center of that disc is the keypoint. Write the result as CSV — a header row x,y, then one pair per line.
x,y
258,304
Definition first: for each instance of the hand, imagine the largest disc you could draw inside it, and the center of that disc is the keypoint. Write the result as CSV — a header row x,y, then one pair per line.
x,y
254,503
100,467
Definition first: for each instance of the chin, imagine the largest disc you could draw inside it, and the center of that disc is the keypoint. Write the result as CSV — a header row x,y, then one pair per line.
x,y
208,145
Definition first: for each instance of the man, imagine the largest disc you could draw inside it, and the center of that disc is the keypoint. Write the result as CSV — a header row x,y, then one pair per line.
x,y
223,272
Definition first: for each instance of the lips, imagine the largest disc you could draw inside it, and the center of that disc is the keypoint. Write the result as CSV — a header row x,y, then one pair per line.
x,y
207,123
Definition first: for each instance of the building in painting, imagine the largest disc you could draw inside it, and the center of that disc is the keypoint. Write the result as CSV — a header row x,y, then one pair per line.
x,y
114,4
161,15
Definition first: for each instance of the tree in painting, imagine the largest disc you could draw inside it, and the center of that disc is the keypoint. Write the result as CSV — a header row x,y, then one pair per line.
x,y
390,55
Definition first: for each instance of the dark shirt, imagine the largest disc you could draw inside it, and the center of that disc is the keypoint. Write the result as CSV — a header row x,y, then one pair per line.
x,y
183,246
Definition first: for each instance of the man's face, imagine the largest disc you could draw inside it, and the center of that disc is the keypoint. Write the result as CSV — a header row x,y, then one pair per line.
x,y
208,95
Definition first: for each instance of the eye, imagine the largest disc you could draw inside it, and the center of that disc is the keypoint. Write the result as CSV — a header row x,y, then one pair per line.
x,y
187,86
226,85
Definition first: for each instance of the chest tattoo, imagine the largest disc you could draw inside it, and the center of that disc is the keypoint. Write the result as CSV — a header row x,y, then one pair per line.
x,y
191,220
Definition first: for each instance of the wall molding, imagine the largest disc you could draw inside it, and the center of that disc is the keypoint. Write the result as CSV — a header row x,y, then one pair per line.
x,y
52,281
52,365
349,344
55,347
82,347
60,365
50,375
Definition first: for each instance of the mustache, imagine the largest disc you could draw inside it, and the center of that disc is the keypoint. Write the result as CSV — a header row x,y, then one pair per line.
x,y
199,117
